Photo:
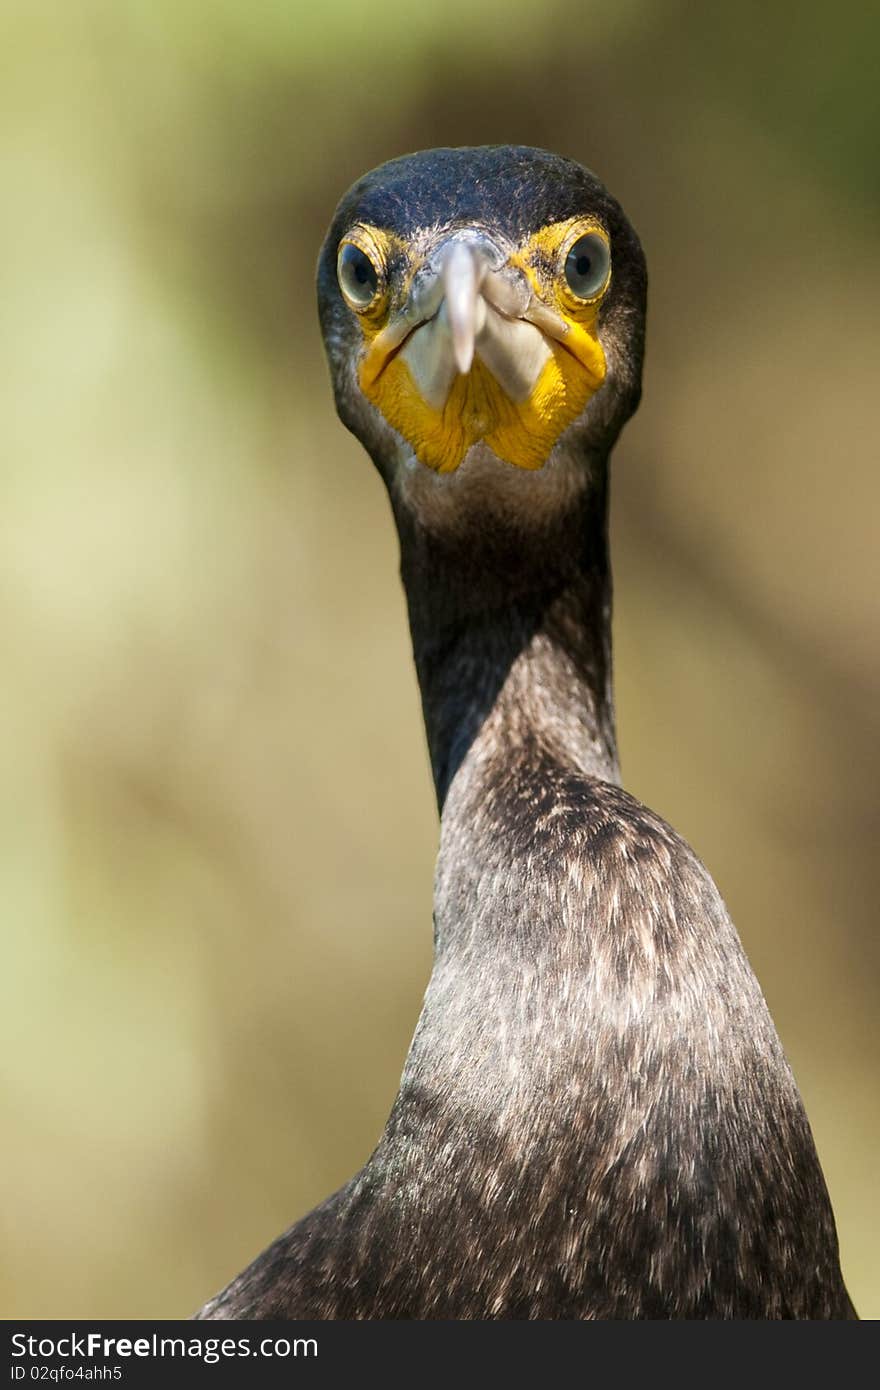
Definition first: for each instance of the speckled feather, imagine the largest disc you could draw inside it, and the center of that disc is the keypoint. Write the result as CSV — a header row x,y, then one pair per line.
x,y
596,1118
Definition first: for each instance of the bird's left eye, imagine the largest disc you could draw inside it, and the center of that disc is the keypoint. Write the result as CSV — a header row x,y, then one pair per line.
x,y
358,276
587,265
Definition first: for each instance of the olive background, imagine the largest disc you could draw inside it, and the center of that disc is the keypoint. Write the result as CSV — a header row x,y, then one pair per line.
x,y
218,828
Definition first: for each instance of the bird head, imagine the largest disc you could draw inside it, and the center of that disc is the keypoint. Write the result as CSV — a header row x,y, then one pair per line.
x,y
482,305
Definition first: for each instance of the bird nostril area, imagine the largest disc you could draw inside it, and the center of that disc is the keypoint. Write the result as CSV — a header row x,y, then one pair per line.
x,y
508,290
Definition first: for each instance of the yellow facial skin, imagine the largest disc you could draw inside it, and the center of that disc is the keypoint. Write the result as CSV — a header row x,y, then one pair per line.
x,y
477,408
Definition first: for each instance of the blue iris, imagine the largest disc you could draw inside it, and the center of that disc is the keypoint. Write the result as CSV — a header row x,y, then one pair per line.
x,y
358,277
587,265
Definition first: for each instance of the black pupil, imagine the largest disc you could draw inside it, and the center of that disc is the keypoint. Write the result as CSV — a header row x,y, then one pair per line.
x,y
582,265
362,271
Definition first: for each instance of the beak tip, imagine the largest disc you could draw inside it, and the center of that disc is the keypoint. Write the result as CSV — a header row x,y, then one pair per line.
x,y
464,357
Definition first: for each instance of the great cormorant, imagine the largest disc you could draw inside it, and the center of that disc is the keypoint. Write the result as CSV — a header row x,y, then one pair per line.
x,y
596,1118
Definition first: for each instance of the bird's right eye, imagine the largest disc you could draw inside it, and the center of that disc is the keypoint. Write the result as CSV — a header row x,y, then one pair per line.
x,y
358,276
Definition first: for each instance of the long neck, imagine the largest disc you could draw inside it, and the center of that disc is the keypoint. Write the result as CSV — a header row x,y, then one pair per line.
x,y
511,629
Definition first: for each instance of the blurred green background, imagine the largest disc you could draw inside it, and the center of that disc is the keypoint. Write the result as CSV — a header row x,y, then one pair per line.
x,y
218,827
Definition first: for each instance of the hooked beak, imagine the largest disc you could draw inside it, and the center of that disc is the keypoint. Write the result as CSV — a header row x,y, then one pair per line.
x,y
466,301
462,273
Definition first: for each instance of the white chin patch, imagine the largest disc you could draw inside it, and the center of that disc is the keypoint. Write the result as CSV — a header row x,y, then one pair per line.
x,y
513,350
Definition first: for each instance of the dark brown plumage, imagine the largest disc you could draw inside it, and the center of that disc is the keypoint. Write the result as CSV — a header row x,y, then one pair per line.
x,y
596,1119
